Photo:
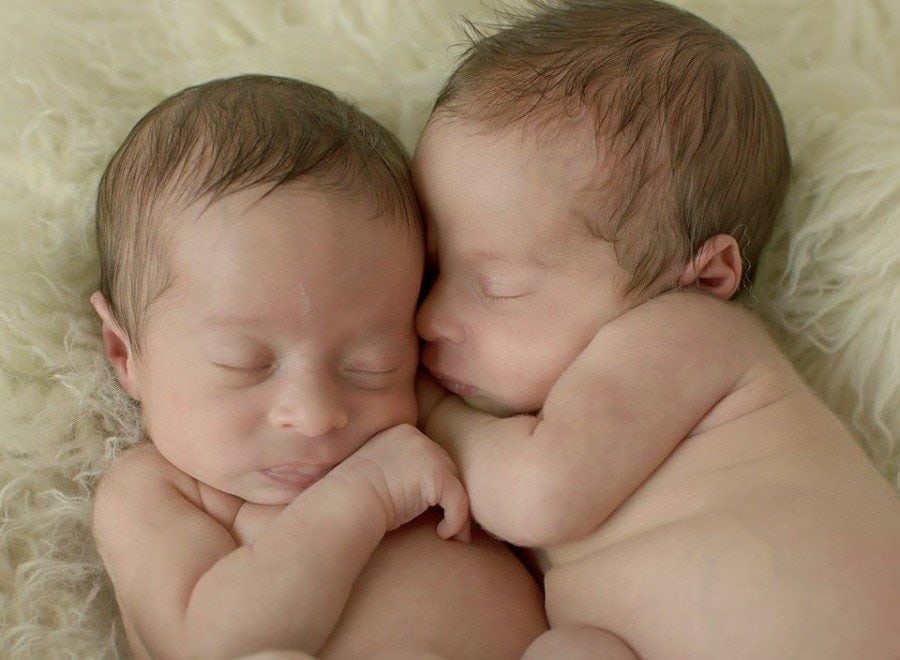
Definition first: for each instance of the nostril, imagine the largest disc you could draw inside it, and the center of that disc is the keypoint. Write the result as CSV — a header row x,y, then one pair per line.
x,y
309,419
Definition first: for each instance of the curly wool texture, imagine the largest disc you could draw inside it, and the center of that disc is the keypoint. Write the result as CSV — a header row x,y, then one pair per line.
x,y
76,76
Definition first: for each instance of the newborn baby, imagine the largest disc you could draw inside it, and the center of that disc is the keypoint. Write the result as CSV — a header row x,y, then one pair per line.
x,y
594,177
261,259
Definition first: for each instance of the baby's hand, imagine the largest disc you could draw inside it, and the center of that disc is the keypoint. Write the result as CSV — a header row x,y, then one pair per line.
x,y
429,394
411,473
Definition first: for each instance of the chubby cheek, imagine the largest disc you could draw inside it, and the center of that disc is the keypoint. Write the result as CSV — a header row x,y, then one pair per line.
x,y
399,404
506,350
196,431
384,410
523,368
524,393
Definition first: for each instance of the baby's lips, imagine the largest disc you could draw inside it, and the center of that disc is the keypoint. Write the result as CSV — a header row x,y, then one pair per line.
x,y
296,476
460,389
455,386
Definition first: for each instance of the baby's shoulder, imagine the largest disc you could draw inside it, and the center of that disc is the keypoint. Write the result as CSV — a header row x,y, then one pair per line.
x,y
686,344
697,323
140,477
142,500
137,483
699,311
142,471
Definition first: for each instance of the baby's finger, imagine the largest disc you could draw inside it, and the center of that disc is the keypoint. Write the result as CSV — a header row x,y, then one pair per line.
x,y
455,503
465,534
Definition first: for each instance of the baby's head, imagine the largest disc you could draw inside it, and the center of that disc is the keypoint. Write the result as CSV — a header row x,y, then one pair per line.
x,y
585,158
261,257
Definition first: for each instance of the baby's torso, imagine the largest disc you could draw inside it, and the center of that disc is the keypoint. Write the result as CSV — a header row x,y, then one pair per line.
x,y
764,534
413,583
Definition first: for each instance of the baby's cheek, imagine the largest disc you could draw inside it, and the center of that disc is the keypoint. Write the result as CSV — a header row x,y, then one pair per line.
x,y
372,411
397,408
526,384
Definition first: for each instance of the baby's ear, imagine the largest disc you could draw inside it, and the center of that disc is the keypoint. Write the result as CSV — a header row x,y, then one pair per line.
x,y
116,346
716,268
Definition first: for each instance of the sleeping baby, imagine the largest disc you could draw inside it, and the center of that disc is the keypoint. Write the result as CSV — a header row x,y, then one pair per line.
x,y
261,259
594,178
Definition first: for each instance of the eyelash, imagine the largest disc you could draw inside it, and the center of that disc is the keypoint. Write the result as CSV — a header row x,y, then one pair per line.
x,y
373,372
490,297
364,373
231,367
377,377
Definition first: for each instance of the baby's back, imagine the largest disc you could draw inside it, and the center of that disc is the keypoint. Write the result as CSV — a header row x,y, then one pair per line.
x,y
766,533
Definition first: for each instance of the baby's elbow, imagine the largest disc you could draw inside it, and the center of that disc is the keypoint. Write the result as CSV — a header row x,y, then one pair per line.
x,y
546,511
560,516
199,641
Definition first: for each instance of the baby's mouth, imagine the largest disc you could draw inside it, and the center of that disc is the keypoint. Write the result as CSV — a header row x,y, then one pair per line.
x,y
475,397
299,476
459,389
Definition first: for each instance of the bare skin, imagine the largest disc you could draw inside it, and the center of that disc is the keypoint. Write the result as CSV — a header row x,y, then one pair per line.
x,y
686,493
276,387
480,586
689,497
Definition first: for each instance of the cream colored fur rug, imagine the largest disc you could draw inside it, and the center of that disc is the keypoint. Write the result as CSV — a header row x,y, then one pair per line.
x,y
76,75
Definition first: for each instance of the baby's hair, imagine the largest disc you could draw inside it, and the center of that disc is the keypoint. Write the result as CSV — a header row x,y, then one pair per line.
x,y
690,138
217,138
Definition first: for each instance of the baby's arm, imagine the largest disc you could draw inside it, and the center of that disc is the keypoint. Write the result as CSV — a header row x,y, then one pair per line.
x,y
189,590
617,412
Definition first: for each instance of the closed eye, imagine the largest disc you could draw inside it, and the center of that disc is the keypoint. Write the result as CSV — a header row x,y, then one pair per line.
x,y
499,289
499,295
372,379
247,369
373,373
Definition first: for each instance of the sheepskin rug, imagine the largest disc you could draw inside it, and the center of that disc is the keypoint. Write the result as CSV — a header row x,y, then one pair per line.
x,y
76,75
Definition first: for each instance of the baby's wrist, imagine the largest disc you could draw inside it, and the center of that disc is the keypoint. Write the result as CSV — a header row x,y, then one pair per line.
x,y
361,479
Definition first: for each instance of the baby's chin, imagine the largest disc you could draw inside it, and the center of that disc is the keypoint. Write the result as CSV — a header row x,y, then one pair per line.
x,y
271,495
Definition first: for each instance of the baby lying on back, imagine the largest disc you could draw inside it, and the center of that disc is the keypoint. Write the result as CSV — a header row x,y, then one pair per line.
x,y
261,258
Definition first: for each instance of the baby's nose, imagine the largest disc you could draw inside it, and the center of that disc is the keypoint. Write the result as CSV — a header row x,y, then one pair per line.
x,y
312,407
436,320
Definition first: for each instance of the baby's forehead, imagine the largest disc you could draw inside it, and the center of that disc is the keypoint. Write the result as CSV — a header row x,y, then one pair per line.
x,y
535,131
300,199
468,174
288,246
567,158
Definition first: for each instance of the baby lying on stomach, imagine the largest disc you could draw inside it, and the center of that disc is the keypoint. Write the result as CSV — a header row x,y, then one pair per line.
x,y
593,178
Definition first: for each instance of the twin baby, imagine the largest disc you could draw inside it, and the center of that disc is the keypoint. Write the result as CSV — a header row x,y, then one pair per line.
x,y
596,180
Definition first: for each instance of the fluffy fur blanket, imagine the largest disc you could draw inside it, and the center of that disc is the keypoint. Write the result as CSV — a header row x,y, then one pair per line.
x,y
76,75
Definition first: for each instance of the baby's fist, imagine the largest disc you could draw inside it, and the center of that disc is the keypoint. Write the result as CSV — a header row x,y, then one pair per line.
x,y
411,473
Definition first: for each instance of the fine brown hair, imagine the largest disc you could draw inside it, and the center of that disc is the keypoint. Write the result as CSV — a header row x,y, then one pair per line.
x,y
213,139
690,140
